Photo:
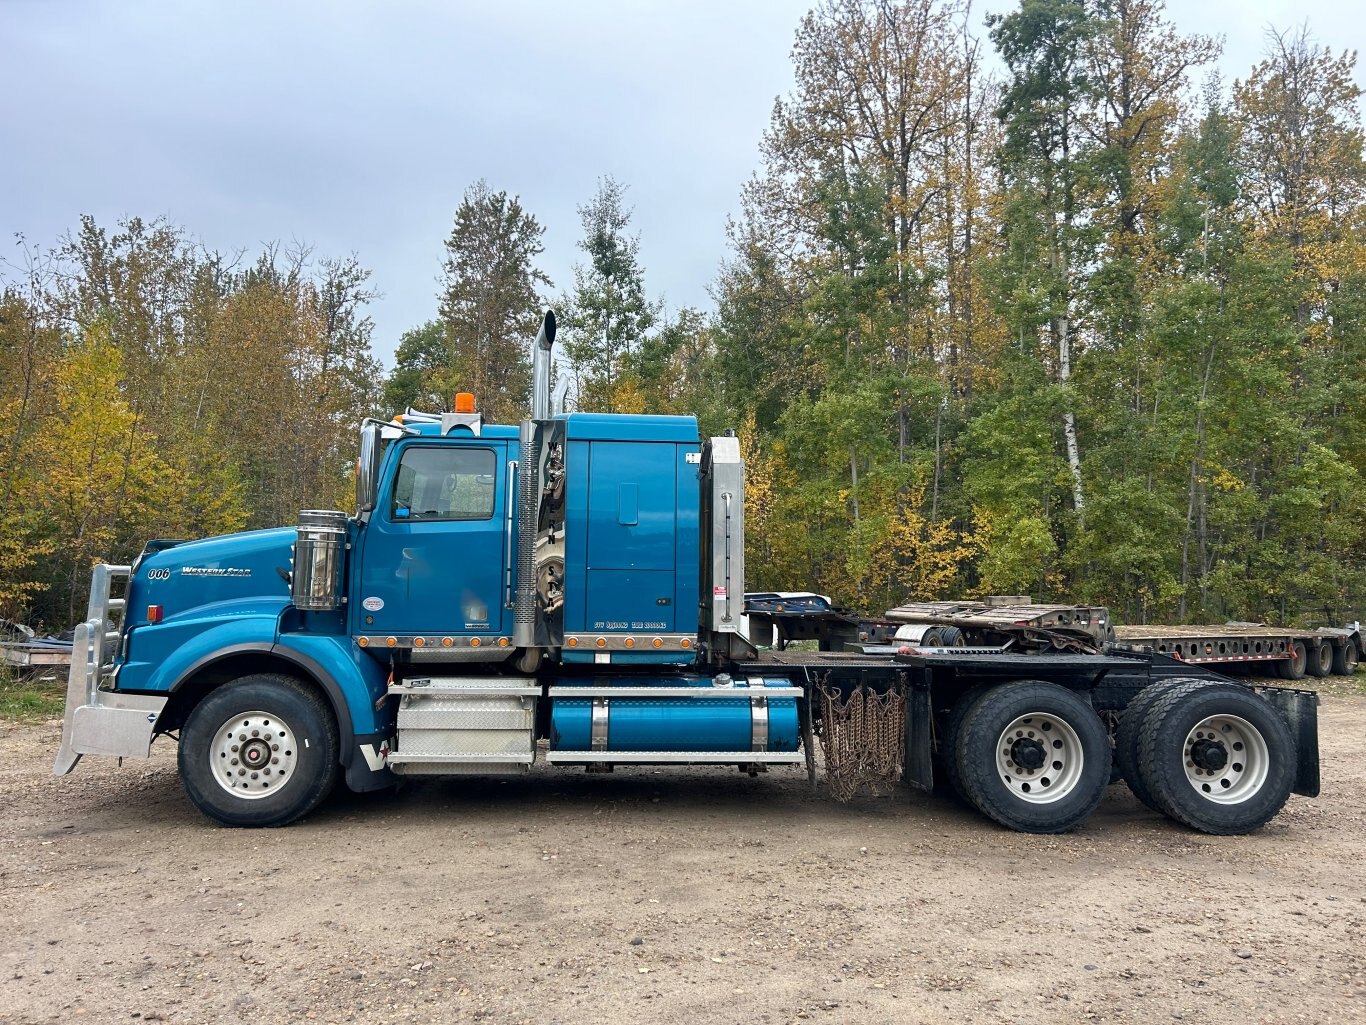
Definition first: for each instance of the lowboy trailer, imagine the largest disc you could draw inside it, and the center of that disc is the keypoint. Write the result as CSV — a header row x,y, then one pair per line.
x,y
570,591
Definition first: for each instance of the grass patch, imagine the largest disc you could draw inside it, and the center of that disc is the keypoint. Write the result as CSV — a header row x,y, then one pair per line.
x,y
30,700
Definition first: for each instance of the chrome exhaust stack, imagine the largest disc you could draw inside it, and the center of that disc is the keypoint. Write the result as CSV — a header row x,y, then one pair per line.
x,y
529,492
540,368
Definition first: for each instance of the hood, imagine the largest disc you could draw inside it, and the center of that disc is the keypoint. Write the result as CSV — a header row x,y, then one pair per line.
x,y
230,568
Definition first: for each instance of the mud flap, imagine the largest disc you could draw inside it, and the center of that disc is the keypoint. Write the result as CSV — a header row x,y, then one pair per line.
x,y
918,769
368,768
1301,711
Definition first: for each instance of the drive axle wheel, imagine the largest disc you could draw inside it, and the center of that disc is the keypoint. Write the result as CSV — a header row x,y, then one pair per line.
x,y
953,731
259,751
1126,738
1033,757
1217,757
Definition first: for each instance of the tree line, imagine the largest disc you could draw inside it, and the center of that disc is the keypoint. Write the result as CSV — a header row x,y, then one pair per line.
x,y
1088,326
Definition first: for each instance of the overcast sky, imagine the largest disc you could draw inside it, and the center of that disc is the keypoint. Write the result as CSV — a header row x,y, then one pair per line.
x,y
356,126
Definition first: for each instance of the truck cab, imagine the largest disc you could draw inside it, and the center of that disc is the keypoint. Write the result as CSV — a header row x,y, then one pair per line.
x,y
484,568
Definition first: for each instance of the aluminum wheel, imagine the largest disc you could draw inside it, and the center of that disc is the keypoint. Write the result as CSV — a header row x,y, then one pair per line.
x,y
1226,759
1039,756
252,755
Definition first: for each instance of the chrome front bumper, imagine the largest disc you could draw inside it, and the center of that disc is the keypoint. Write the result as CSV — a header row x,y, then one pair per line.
x,y
100,721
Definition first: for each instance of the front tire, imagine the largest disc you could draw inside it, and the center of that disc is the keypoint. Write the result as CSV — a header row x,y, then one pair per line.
x,y
1217,757
1033,757
259,751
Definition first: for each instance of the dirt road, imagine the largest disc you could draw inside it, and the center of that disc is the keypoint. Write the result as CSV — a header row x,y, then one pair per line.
x,y
667,897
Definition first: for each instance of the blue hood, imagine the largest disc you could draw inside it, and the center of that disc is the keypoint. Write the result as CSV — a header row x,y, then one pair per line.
x,y
230,568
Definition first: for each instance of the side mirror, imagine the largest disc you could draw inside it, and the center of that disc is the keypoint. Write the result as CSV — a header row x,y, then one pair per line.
x,y
367,467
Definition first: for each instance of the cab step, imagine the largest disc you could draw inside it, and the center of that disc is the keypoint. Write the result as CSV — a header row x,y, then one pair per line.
x,y
451,726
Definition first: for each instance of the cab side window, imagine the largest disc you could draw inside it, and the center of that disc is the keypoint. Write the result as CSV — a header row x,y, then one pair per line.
x,y
445,484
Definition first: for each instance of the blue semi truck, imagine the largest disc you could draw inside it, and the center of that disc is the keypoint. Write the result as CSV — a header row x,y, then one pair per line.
x,y
570,591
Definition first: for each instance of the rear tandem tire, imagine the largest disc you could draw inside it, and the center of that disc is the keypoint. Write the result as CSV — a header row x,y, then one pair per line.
x,y
260,750
1034,757
1320,662
1345,658
1217,757
953,728
1126,738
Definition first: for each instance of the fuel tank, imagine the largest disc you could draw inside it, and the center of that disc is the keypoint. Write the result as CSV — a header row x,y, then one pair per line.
x,y
725,718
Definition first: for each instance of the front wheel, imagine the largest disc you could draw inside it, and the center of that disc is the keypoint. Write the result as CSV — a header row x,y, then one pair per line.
x,y
1033,757
259,751
1217,757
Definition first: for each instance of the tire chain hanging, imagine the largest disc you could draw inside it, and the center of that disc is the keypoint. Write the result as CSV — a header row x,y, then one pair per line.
x,y
863,739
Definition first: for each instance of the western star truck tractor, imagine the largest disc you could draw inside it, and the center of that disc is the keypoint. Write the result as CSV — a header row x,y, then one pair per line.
x,y
571,591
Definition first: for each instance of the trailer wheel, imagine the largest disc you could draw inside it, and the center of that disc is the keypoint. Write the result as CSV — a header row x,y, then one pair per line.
x,y
1345,658
1126,738
951,637
1034,756
259,751
1217,757
1320,661
1293,668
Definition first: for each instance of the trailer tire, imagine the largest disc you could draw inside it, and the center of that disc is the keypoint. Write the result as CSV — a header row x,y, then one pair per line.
x,y
951,637
286,728
1217,757
1056,767
1293,668
1320,661
1345,658
1126,739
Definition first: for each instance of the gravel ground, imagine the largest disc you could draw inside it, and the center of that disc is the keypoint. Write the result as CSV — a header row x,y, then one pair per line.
x,y
666,897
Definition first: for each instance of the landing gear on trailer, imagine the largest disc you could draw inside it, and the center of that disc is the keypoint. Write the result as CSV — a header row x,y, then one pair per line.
x,y
259,751
1033,756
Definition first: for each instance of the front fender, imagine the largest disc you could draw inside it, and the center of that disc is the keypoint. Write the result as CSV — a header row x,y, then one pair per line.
x,y
161,658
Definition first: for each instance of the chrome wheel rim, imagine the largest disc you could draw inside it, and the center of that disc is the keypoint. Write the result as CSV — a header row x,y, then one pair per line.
x,y
253,755
1226,759
1039,758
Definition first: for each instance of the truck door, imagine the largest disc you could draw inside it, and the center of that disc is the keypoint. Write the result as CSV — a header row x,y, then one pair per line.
x,y
434,559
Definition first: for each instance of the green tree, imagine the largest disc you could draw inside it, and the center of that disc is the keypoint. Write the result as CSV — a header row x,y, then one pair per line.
x,y
422,372
607,315
1049,171
490,301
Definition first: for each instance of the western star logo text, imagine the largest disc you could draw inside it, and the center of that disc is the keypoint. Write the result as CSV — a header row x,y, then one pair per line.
x,y
214,571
